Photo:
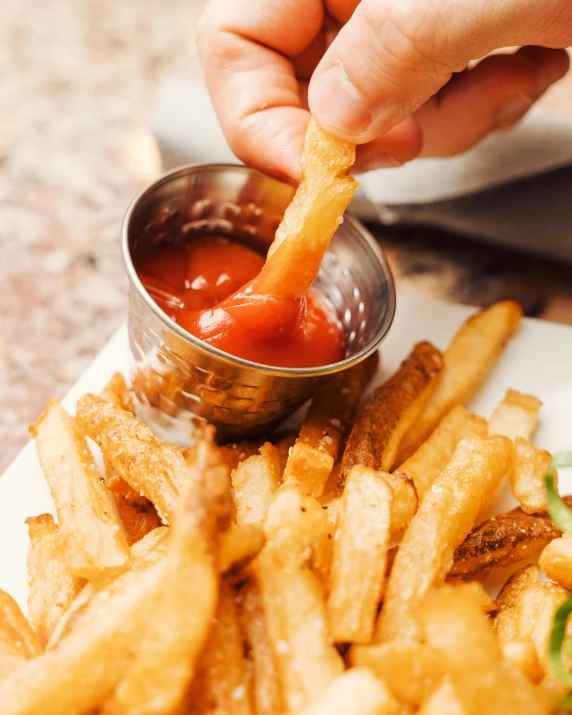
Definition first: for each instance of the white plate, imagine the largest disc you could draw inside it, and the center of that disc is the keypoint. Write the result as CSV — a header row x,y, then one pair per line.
x,y
538,360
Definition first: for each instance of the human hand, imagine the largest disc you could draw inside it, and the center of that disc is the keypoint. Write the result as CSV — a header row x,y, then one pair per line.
x,y
389,76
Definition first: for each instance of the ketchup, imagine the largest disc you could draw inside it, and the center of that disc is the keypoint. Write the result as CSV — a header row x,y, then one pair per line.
x,y
206,286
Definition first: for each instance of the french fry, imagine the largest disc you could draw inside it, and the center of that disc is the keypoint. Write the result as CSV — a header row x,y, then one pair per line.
x,y
516,416
234,454
9,664
17,638
88,524
359,557
527,476
484,682
283,447
323,547
76,676
488,603
312,218
266,690
52,588
117,392
187,600
556,560
467,361
411,670
150,466
509,538
137,515
221,684
255,482
238,546
404,502
425,465
443,701
521,652
443,519
356,691
329,417
391,411
507,619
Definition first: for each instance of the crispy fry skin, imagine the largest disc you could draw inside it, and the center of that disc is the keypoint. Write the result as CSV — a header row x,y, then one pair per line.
x,y
485,683
443,701
312,218
187,600
17,638
150,466
255,482
443,519
117,392
51,586
359,558
235,454
469,358
96,545
516,416
556,560
527,476
433,455
503,540
238,546
391,410
267,691
322,434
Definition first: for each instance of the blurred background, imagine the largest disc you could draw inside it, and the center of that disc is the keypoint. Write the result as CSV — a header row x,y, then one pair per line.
x,y
79,78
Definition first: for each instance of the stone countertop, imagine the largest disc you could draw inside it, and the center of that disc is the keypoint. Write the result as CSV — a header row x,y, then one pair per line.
x,y
79,78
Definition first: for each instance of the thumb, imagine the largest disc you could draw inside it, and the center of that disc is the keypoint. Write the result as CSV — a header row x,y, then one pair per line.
x,y
391,57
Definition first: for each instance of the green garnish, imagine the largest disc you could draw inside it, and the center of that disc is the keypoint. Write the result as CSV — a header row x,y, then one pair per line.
x,y
561,515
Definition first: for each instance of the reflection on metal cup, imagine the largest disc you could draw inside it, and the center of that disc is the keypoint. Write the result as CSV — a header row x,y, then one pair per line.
x,y
180,381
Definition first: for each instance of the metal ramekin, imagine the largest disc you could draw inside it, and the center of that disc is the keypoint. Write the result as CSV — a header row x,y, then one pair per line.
x,y
179,381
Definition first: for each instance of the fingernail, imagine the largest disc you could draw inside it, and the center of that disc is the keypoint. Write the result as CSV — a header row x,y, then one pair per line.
x,y
335,101
512,110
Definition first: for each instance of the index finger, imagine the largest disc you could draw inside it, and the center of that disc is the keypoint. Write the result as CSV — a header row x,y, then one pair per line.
x,y
246,48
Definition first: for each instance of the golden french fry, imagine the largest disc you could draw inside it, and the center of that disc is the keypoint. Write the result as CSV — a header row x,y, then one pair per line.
x,y
266,688
483,680
187,600
527,476
444,518
255,482
117,392
411,670
356,691
312,218
137,514
507,620
221,683
283,447
425,465
521,652
9,664
52,588
391,411
76,676
488,603
359,557
17,638
443,701
509,538
516,416
467,361
556,560
238,546
150,466
88,523
404,502
323,546
321,437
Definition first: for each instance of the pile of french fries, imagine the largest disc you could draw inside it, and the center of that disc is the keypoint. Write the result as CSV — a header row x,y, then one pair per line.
x,y
336,570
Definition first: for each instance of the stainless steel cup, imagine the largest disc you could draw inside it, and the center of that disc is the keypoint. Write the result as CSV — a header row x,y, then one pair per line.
x,y
179,381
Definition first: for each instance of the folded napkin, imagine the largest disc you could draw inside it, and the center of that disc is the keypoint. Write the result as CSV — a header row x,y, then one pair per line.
x,y
514,188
